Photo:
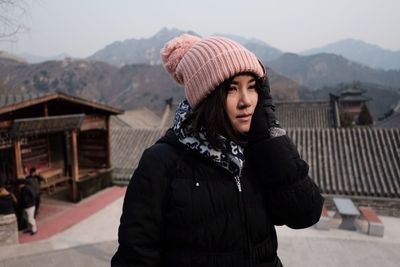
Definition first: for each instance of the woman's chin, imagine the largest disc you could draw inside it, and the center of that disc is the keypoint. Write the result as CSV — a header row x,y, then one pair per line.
x,y
242,130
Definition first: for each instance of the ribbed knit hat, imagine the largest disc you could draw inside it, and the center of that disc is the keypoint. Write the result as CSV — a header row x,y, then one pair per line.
x,y
200,65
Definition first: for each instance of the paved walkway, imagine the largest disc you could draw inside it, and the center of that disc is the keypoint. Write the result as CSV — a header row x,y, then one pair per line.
x,y
337,248
74,214
92,242
91,221
82,256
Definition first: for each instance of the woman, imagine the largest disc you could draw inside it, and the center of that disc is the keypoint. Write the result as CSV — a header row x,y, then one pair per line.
x,y
211,190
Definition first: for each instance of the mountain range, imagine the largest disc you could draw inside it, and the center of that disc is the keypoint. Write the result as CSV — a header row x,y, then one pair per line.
x,y
31,58
361,52
320,70
147,50
136,51
127,87
129,74
10,59
314,71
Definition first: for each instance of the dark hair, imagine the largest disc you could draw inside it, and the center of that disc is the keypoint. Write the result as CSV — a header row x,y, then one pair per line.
x,y
211,114
32,170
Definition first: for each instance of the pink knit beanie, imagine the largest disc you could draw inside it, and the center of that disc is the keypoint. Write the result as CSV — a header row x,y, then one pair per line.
x,y
200,65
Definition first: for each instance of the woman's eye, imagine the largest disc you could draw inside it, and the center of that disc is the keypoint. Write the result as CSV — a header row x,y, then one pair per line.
x,y
231,89
252,87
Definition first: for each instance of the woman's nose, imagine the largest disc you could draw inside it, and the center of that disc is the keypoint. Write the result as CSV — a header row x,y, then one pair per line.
x,y
244,100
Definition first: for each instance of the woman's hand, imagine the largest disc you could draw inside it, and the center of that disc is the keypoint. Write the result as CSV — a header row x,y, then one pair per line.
x,y
264,115
268,105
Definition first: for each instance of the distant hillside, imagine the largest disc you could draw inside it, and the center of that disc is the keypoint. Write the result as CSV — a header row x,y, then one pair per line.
x,y
77,77
320,70
147,50
282,88
263,51
10,59
361,52
136,51
384,98
30,58
144,86
128,87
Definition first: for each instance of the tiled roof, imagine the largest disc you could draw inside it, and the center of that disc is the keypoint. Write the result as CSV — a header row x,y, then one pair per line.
x,y
315,114
10,99
393,121
137,119
390,122
352,161
169,115
354,98
347,161
127,147
117,122
10,102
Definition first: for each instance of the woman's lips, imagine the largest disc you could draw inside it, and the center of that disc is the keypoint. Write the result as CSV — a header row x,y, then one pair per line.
x,y
244,117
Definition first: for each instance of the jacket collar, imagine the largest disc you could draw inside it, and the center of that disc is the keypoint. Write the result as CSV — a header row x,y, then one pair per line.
x,y
230,157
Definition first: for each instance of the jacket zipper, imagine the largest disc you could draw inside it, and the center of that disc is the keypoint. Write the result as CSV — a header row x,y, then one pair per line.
x,y
243,217
239,186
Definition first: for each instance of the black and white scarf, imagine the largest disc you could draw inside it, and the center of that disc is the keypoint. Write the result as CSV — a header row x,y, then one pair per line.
x,y
230,156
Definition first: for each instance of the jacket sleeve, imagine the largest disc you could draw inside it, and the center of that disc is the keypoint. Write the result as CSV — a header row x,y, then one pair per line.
x,y
141,230
291,195
28,196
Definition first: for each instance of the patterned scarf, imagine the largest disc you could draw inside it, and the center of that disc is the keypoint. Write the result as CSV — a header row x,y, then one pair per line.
x,y
230,157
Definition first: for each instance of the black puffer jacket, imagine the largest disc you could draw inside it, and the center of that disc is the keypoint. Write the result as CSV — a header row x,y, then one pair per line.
x,y
27,197
181,209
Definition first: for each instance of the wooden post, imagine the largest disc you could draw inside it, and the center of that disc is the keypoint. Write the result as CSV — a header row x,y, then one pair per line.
x,y
108,136
46,110
18,157
74,164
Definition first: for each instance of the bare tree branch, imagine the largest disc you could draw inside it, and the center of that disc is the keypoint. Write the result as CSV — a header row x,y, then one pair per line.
x,y
11,14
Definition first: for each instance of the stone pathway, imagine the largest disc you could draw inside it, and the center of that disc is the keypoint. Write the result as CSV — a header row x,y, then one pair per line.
x,y
92,242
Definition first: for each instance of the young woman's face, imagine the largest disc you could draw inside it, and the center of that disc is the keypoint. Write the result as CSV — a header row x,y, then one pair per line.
x,y
241,101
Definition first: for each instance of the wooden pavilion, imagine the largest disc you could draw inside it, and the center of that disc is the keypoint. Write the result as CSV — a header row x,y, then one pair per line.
x,y
66,138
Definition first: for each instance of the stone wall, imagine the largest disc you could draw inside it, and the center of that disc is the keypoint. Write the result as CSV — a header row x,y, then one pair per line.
x,y
90,185
8,229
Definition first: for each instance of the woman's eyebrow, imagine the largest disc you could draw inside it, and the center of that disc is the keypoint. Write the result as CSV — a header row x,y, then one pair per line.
x,y
236,82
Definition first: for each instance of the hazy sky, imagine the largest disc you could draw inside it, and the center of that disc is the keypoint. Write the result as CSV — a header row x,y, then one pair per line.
x,y
81,27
